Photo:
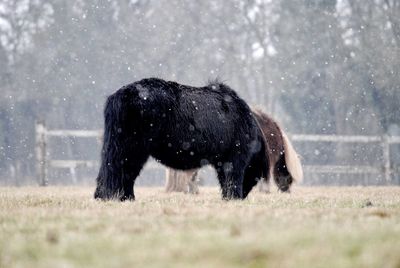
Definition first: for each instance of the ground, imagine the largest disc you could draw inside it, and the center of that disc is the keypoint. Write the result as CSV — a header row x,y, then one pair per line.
x,y
311,227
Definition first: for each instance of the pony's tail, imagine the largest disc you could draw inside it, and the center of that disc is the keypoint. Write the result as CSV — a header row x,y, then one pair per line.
x,y
110,177
292,159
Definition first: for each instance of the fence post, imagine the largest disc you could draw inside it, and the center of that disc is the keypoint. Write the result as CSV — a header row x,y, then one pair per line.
x,y
386,157
41,165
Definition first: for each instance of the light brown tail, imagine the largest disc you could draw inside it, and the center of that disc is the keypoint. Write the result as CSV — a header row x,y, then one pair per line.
x,y
292,159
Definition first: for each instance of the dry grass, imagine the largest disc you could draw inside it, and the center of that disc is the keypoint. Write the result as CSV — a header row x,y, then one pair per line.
x,y
312,227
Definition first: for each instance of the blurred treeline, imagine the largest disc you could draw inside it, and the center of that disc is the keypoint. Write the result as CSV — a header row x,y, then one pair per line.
x,y
319,66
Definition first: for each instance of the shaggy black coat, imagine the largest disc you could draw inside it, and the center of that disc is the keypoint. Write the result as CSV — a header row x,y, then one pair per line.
x,y
182,127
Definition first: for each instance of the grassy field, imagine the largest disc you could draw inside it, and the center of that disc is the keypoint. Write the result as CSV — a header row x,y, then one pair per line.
x,y
312,227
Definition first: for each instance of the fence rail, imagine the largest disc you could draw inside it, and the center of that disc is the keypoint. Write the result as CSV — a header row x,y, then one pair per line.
x,y
74,133
384,140
42,163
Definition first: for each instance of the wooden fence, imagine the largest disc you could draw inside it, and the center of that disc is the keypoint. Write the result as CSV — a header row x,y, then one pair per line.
x,y
43,163
385,142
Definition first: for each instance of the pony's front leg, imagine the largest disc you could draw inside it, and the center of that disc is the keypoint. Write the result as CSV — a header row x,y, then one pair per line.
x,y
230,177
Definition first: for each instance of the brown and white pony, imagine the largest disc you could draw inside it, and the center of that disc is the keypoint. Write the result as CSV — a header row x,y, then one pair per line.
x,y
284,162
285,165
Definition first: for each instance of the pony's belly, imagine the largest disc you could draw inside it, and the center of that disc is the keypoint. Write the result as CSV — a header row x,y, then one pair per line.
x,y
179,162
183,159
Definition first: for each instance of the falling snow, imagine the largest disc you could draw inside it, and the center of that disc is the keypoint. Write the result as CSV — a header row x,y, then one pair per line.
x,y
330,68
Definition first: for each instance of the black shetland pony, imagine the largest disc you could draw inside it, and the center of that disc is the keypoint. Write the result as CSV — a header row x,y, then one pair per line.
x,y
184,128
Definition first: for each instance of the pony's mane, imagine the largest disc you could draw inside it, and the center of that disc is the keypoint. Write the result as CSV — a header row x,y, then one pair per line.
x,y
218,84
215,81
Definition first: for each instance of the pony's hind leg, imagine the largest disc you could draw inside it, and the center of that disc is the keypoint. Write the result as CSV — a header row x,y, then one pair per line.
x,y
132,170
118,172
193,183
124,151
